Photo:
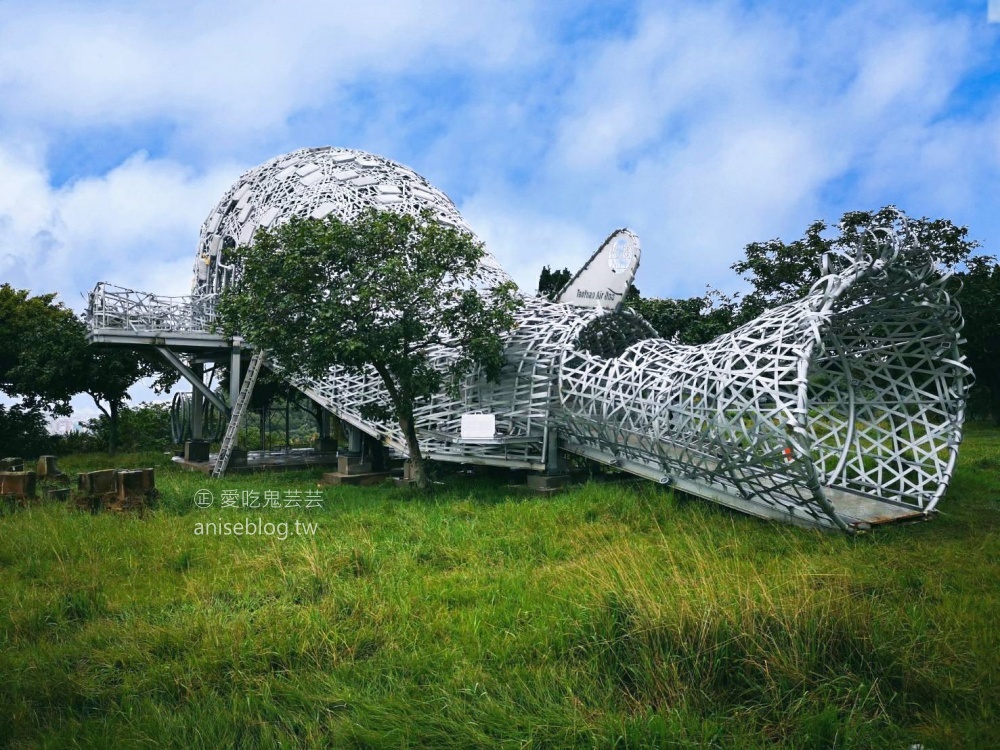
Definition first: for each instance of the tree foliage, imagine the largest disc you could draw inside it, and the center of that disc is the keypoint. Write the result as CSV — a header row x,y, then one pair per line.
x,y
551,283
38,338
23,431
780,272
378,292
145,427
696,320
108,374
45,359
980,298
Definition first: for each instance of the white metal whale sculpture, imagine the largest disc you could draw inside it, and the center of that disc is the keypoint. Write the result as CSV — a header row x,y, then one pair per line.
x,y
841,409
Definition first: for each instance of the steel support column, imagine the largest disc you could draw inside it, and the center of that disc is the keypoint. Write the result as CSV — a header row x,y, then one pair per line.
x,y
197,426
234,370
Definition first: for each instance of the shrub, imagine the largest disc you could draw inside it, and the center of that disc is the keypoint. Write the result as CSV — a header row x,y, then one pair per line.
x,y
145,427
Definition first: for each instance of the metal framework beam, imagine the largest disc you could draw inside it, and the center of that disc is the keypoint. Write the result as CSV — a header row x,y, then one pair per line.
x,y
193,379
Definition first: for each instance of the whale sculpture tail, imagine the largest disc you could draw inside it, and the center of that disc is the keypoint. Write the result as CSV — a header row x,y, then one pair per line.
x,y
842,408
606,277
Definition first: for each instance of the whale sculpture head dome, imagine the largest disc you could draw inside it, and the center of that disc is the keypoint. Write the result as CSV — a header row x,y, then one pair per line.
x,y
316,183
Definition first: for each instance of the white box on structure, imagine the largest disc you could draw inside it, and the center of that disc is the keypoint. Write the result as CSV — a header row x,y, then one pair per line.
x,y
478,426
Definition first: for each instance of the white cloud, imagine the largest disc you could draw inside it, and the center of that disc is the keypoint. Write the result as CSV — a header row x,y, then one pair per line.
x,y
524,241
713,126
136,226
228,67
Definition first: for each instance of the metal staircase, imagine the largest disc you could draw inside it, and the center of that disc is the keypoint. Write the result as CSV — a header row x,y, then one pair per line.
x,y
239,409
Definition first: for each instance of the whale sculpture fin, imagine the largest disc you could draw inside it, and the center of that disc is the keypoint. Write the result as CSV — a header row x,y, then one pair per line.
x,y
604,279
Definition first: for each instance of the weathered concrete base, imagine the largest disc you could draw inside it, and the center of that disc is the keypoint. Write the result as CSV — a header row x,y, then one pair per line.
x,y
371,477
547,482
131,483
134,490
47,467
19,485
117,490
353,465
196,450
96,482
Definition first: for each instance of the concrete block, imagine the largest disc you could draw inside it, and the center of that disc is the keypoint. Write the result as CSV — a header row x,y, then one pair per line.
x,y
196,450
352,465
47,467
132,484
96,482
19,484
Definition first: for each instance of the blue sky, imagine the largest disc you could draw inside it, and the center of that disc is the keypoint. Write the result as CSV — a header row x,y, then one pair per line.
x,y
702,126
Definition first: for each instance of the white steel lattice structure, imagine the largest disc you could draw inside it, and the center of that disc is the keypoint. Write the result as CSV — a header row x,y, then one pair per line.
x,y
116,307
841,409
317,182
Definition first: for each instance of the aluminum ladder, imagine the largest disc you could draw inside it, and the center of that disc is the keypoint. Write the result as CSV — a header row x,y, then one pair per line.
x,y
239,409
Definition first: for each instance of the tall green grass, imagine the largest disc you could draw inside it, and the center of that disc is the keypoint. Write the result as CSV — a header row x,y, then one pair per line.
x,y
612,615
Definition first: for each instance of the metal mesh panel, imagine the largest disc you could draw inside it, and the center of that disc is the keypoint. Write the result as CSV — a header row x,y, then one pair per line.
x,y
317,182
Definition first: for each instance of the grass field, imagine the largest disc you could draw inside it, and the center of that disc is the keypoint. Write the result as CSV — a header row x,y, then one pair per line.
x,y
612,615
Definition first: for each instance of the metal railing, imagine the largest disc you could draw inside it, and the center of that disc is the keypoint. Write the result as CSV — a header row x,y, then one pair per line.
x,y
116,307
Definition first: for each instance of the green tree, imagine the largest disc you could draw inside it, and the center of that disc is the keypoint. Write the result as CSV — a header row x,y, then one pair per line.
x,y
35,333
551,283
145,427
377,292
45,359
780,272
696,320
67,364
23,431
108,373
980,298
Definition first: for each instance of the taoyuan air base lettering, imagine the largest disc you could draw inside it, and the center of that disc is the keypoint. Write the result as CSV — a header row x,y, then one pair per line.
x,y
839,410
